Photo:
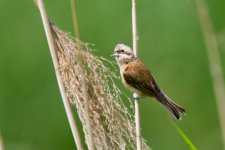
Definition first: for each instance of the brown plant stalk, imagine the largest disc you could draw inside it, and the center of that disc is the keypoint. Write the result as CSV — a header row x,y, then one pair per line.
x,y
53,50
89,135
215,65
135,96
1,142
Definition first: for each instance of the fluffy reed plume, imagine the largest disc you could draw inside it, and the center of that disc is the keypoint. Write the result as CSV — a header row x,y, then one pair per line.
x,y
112,124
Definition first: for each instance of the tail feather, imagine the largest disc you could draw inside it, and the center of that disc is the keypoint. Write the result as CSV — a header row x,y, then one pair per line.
x,y
174,108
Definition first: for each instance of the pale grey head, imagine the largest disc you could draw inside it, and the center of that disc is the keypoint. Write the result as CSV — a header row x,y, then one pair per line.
x,y
123,54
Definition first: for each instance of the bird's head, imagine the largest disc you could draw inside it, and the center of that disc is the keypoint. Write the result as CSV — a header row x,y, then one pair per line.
x,y
123,54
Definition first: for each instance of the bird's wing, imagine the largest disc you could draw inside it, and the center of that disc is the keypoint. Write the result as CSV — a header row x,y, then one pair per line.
x,y
138,76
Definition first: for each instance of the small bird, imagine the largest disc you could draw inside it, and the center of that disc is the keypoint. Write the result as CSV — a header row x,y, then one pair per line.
x,y
138,79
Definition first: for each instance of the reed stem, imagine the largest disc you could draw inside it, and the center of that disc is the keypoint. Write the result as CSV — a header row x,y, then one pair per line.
x,y
53,50
1,142
90,141
135,96
215,65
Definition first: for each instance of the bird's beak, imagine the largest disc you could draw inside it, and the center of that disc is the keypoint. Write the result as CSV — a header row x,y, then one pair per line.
x,y
115,55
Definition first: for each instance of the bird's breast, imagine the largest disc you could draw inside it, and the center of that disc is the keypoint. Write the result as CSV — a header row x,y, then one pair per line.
x,y
131,88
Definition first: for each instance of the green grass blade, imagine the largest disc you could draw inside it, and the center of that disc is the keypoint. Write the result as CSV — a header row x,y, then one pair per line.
x,y
185,138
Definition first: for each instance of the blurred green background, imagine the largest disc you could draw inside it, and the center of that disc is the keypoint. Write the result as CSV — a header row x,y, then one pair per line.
x,y
171,44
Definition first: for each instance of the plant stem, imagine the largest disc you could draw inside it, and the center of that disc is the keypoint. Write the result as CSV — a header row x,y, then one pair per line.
x,y
1,143
134,28
214,61
53,50
90,141
75,19
135,96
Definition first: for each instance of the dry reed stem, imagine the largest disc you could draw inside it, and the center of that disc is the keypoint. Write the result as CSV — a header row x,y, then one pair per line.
x,y
1,143
135,96
84,88
214,61
75,18
113,124
53,50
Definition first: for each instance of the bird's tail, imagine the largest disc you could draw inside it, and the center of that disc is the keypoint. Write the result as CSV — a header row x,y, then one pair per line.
x,y
174,108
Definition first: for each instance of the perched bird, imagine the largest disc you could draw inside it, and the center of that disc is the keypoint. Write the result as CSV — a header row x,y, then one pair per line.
x,y
138,79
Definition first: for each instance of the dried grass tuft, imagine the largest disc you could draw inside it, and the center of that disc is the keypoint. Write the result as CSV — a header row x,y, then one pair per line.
x,y
112,124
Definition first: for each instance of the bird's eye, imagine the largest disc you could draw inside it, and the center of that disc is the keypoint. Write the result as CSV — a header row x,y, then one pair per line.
x,y
122,50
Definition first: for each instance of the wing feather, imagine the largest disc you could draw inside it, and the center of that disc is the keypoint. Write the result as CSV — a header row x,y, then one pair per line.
x,y
138,76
